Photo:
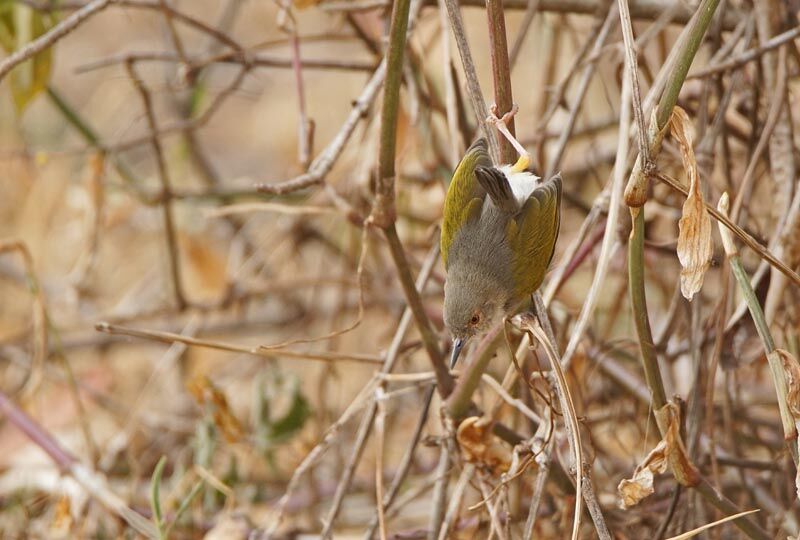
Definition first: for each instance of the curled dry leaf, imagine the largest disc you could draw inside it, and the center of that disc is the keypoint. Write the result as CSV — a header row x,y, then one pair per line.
x,y
792,369
677,456
481,447
669,452
212,399
694,236
640,485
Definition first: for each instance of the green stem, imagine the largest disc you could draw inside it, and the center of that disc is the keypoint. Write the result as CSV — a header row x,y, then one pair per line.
x,y
383,211
773,357
636,286
700,23
391,96
460,401
444,381
638,294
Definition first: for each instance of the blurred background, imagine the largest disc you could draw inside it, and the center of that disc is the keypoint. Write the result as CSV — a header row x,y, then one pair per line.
x,y
139,159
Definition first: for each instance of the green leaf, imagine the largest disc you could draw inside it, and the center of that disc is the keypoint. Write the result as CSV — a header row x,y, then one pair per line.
x,y
155,496
299,410
19,25
279,392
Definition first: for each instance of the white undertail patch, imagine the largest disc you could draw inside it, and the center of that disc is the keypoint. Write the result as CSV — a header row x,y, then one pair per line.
x,y
522,183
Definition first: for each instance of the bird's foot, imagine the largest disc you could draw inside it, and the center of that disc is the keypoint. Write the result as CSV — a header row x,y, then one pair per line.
x,y
501,124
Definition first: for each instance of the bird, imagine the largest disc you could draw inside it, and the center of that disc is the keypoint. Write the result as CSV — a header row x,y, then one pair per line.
x,y
498,236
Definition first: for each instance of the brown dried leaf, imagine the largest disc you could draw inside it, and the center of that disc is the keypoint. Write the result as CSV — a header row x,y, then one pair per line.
x,y
694,236
792,369
211,398
669,452
62,520
640,485
677,456
481,447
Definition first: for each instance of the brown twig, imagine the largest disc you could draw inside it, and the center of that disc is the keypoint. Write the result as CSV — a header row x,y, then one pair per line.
x,y
49,38
92,482
166,189
169,337
746,237
324,162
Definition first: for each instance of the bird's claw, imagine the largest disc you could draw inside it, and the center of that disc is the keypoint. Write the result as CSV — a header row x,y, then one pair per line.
x,y
494,118
501,124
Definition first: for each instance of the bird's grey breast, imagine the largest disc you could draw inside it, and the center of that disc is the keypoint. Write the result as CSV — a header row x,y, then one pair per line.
x,y
481,246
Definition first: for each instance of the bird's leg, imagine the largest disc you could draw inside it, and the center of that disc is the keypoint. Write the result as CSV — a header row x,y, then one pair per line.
x,y
501,124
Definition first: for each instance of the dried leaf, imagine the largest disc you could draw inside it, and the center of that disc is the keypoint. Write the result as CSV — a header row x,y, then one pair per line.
x,y
640,486
481,447
677,456
211,398
792,369
62,520
669,452
694,236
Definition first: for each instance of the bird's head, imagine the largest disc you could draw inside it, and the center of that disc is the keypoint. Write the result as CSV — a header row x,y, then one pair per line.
x,y
473,304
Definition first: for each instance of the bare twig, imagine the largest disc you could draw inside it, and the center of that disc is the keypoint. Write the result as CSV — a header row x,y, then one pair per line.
x,y
746,237
166,189
49,38
744,58
40,341
94,483
501,73
325,161
473,86
168,337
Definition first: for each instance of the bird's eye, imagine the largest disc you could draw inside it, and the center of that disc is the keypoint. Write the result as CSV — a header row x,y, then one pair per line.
x,y
476,318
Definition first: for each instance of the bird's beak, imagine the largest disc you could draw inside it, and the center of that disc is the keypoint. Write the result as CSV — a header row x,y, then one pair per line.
x,y
458,344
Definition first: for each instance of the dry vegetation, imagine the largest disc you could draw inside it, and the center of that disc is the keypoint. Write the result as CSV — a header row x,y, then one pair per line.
x,y
213,215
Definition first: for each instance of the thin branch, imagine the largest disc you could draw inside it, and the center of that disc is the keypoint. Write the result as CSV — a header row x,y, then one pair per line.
x,y
632,67
744,58
90,481
583,86
501,74
257,350
471,75
166,189
39,316
49,38
746,237
325,161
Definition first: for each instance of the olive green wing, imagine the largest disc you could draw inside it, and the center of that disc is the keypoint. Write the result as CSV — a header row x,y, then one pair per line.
x,y
532,236
464,195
